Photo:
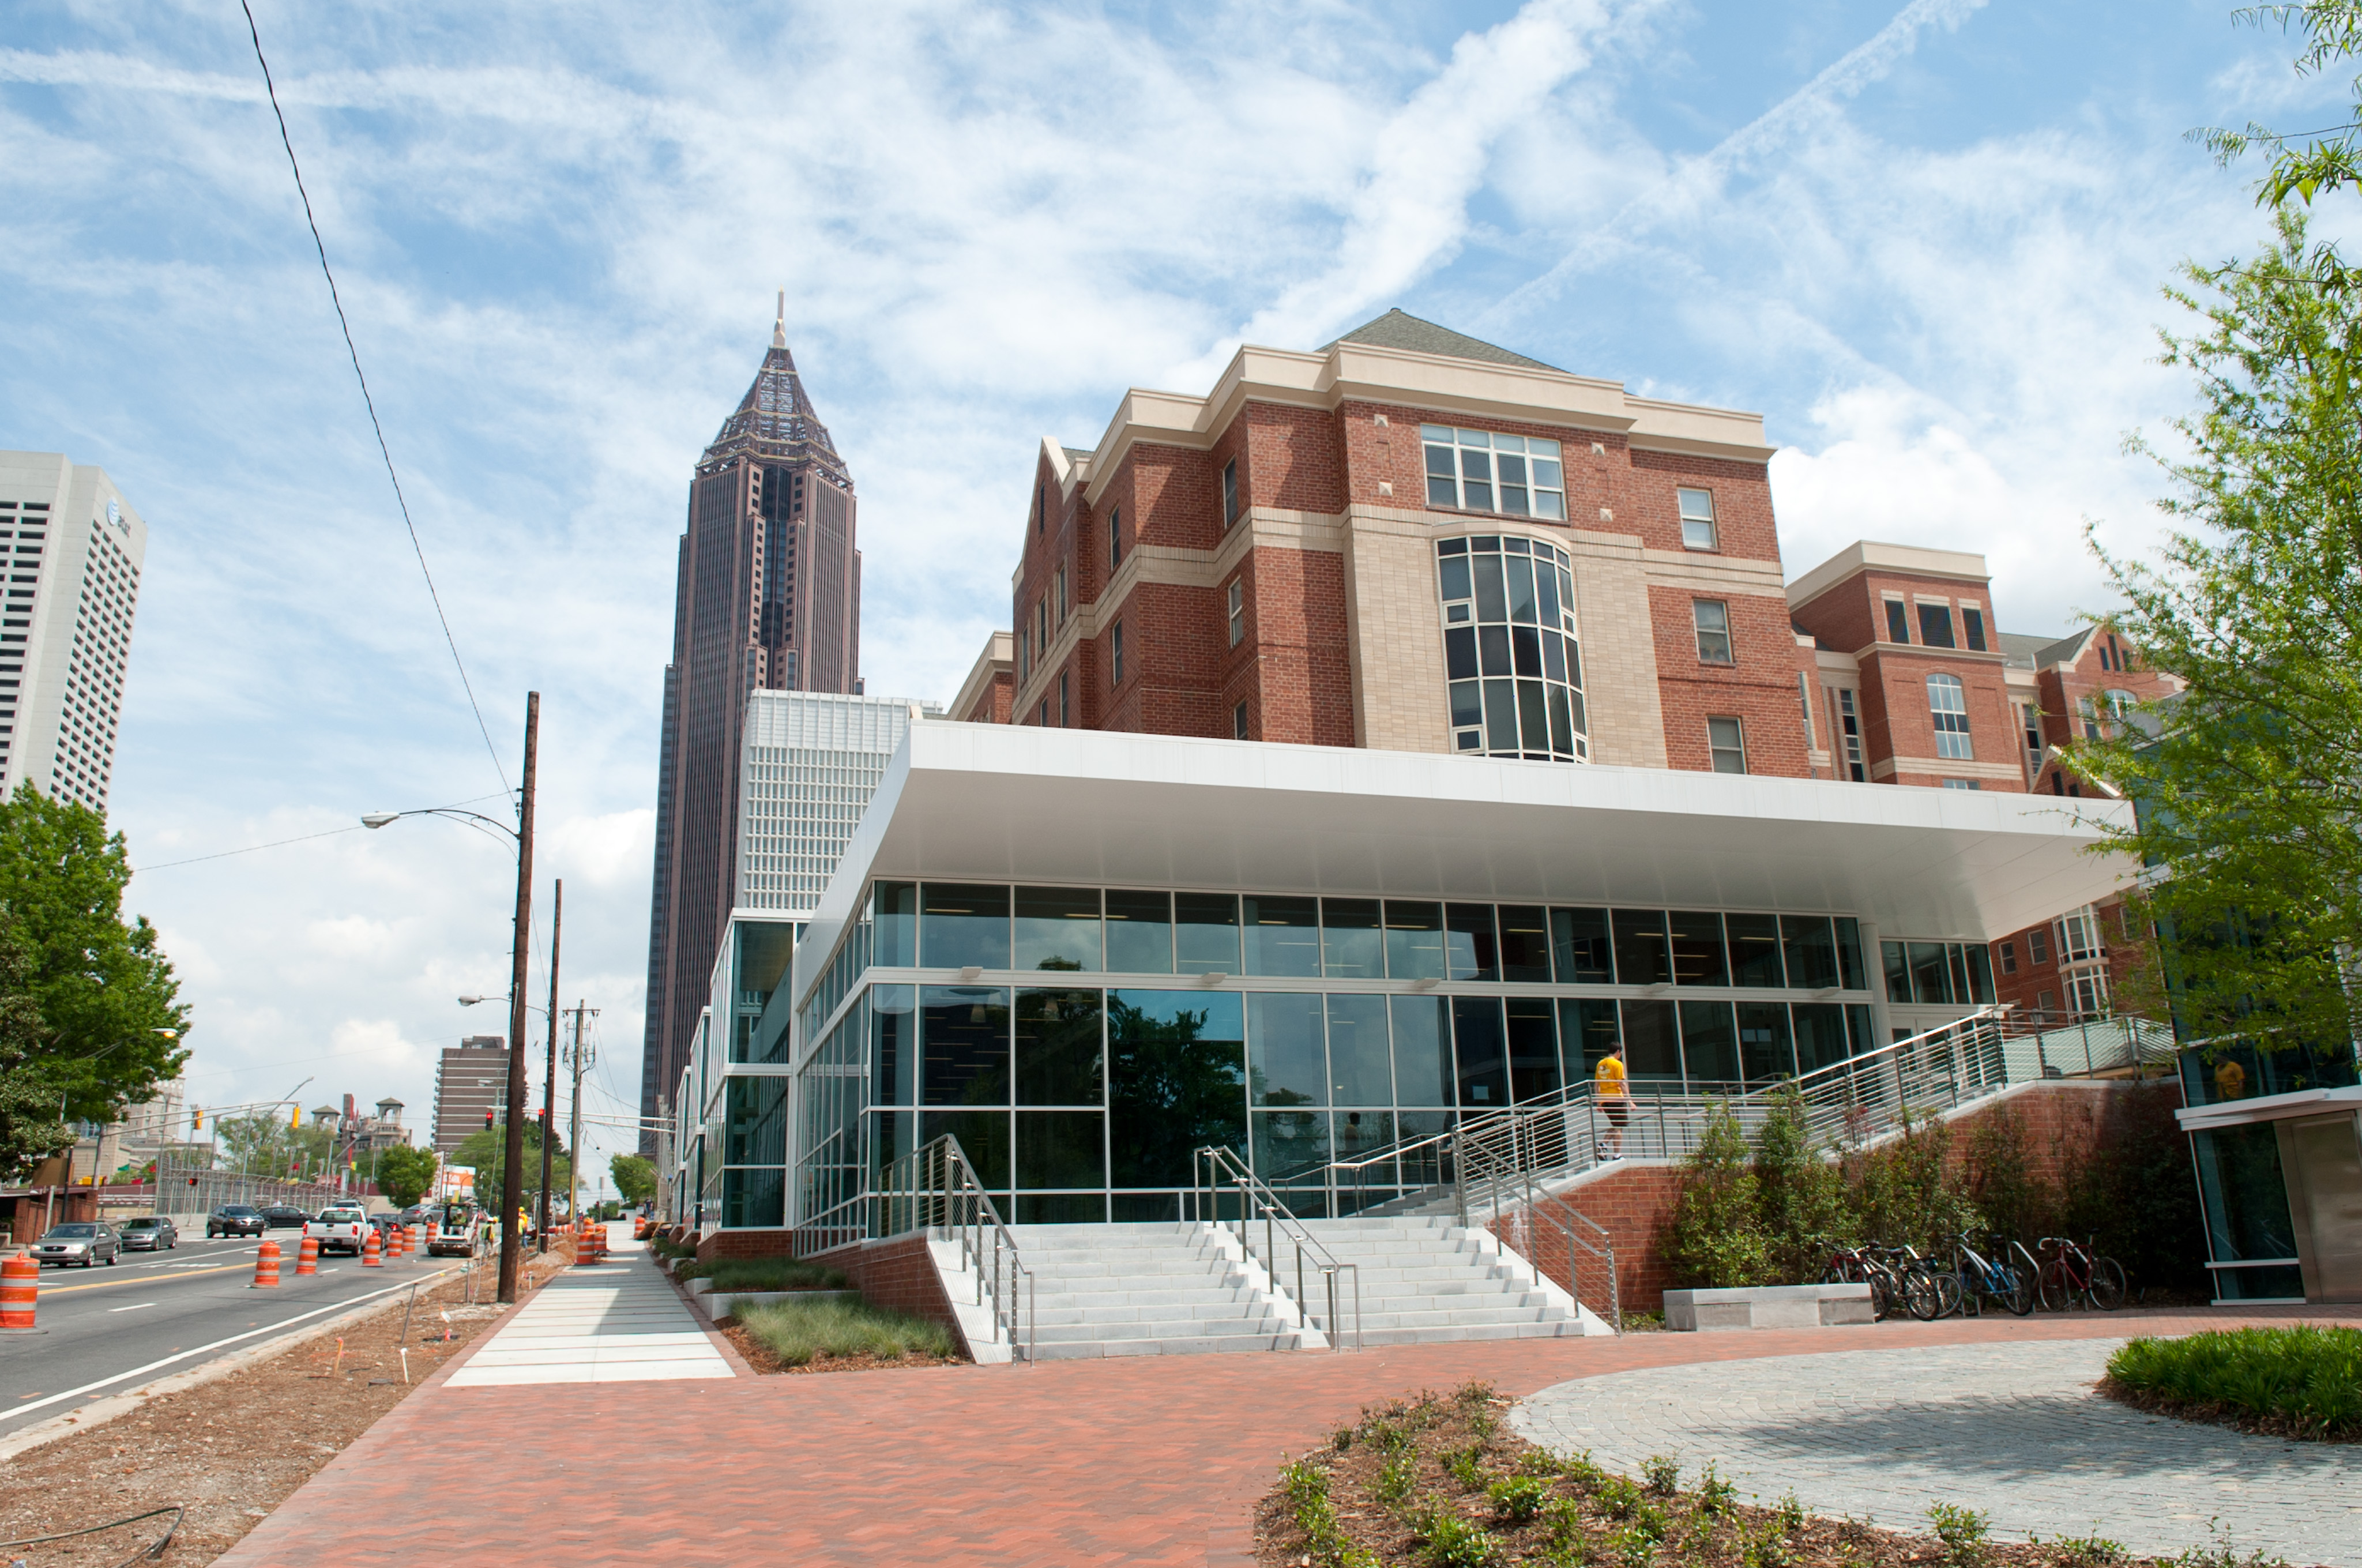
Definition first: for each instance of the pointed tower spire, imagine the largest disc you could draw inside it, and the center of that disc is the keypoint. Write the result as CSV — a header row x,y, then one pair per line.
x,y
775,421
779,327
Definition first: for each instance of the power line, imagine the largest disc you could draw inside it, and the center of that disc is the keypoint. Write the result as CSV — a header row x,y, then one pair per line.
x,y
383,450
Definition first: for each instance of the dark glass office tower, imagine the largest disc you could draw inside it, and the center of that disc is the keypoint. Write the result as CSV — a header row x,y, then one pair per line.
x,y
768,594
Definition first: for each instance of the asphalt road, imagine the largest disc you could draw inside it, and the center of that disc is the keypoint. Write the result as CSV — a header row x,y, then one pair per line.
x,y
102,1331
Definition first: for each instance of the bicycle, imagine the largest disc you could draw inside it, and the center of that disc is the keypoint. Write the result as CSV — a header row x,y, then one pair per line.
x,y
1856,1265
2069,1270
1927,1289
1980,1277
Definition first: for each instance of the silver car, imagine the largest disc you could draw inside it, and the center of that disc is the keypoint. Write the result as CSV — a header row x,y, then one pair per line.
x,y
150,1233
77,1242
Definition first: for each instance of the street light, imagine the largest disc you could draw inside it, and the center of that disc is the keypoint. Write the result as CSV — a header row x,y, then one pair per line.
x,y
521,836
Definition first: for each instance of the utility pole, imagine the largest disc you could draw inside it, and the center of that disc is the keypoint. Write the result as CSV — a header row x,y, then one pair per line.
x,y
549,1074
574,1130
512,1151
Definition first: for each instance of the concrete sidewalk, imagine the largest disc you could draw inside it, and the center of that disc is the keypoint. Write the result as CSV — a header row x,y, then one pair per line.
x,y
620,1322
1141,1461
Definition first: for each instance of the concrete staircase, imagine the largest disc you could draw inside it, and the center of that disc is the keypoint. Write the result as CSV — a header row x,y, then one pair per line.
x,y
1426,1279
1152,1289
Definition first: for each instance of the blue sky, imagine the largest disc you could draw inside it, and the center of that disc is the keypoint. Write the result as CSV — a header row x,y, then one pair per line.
x,y
1925,240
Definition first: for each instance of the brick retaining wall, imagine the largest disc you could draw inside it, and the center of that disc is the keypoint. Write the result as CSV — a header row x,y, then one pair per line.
x,y
896,1273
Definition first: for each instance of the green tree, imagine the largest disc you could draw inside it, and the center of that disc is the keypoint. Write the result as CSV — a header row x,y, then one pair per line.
x,y
485,1151
1716,1238
268,1144
1800,1195
31,1088
635,1177
404,1174
2304,164
2247,783
105,991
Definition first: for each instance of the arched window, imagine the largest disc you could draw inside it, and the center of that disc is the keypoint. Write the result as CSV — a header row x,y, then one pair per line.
x,y
1950,706
2120,703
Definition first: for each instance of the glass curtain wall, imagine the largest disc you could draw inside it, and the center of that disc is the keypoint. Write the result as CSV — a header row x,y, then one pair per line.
x,y
1082,1082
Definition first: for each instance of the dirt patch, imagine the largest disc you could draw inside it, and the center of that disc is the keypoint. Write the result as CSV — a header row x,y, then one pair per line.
x,y
1441,1480
232,1449
2215,1414
760,1357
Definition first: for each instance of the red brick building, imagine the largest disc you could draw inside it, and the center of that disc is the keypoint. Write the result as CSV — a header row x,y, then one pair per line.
x,y
1412,540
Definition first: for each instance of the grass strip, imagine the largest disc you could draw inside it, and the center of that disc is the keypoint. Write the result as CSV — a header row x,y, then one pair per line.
x,y
800,1332
763,1274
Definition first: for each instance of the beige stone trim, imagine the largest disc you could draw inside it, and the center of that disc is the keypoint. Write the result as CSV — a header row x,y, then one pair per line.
x,y
1000,650
1909,561
1945,767
1700,570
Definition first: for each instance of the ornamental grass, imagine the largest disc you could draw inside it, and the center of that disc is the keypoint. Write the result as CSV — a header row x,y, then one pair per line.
x,y
2302,1381
800,1332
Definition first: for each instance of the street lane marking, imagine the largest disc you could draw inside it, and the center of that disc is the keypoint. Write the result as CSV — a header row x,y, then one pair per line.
x,y
132,1309
183,1355
114,1284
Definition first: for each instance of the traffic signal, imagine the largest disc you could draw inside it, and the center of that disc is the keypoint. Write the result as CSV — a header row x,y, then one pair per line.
x,y
196,1120
488,1122
296,1117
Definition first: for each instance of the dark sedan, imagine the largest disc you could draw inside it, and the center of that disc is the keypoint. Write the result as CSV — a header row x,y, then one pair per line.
x,y
79,1241
234,1220
150,1233
284,1217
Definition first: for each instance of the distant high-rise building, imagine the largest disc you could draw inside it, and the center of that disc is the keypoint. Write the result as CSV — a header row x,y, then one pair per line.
x,y
473,1079
768,596
812,762
74,548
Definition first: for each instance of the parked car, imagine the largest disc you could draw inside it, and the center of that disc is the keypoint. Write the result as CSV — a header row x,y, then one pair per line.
x,y
235,1220
285,1217
80,1241
338,1229
150,1233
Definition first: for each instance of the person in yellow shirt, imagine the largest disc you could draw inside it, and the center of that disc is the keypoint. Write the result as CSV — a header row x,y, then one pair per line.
x,y
2230,1080
1607,1086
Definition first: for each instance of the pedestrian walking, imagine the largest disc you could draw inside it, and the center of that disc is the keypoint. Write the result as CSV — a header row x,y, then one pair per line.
x,y
1608,1086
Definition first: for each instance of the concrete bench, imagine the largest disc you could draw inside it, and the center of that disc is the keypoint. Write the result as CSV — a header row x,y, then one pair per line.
x,y
1767,1307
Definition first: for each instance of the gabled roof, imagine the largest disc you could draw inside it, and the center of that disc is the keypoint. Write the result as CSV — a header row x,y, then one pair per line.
x,y
775,420
1396,329
2067,649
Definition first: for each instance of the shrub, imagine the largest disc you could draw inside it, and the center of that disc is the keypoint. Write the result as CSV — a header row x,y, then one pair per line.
x,y
1904,1191
1453,1543
1715,1237
1962,1530
1799,1195
800,1332
1461,1464
1397,1477
1663,1472
2305,1379
1716,1495
1520,1498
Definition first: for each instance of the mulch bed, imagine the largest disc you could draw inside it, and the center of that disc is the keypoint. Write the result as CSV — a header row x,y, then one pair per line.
x,y
2214,1413
760,1357
232,1449
1420,1481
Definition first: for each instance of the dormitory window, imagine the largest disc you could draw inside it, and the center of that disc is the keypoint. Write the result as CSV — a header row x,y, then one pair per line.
x,y
1474,470
1238,610
1238,722
1115,655
1898,622
1065,714
1726,741
2038,947
1698,519
1509,650
2009,958
2078,935
1948,704
1972,627
2120,703
1713,618
1114,538
1229,492
1935,625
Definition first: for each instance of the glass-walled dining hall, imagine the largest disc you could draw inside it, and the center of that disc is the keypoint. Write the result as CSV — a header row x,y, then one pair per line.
x,y
1081,1043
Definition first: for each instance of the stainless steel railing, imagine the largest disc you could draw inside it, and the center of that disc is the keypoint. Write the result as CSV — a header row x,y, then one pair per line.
x,y
934,1189
1217,1170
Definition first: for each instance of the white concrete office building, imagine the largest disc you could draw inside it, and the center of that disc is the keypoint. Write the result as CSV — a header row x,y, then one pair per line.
x,y
812,759
74,548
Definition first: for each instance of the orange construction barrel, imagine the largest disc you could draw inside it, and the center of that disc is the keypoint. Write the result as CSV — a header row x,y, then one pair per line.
x,y
20,1285
266,1267
307,1256
371,1255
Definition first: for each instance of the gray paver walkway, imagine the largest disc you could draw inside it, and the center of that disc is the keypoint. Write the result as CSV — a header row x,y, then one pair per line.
x,y
2016,1431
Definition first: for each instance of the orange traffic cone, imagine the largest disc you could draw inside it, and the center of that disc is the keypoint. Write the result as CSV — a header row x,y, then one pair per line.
x,y
307,1257
20,1285
266,1267
371,1257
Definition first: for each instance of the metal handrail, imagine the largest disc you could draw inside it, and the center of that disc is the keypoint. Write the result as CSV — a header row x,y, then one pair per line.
x,y
941,1192
1223,1168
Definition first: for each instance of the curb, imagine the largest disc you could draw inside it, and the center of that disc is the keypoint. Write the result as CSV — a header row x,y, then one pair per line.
x,y
98,1412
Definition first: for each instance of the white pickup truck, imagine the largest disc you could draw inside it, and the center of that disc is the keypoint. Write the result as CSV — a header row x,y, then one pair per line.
x,y
337,1229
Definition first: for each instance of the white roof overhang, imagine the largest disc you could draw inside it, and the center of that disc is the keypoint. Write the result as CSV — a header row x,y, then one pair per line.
x,y
987,802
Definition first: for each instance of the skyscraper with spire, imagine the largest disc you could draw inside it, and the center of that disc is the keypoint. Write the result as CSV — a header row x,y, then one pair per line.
x,y
768,596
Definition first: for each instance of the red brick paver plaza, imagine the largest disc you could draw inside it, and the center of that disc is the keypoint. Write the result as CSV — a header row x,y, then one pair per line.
x,y
1150,1461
